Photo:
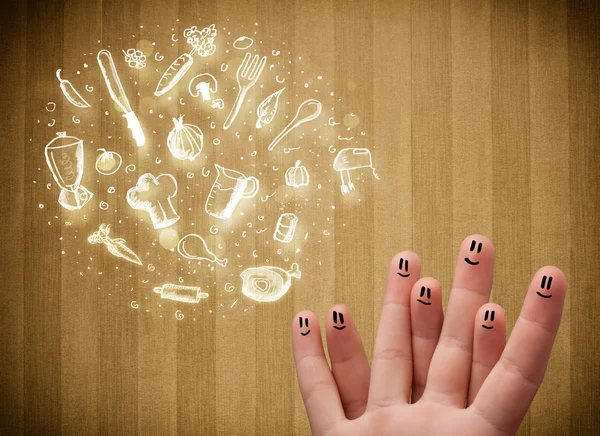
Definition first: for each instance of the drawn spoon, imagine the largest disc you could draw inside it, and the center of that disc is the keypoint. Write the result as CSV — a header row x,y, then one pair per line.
x,y
311,109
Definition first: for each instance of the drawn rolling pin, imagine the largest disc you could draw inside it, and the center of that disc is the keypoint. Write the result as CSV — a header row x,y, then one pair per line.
x,y
184,294
113,83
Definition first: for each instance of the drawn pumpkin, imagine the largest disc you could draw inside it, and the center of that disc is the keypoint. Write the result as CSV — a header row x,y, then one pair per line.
x,y
297,176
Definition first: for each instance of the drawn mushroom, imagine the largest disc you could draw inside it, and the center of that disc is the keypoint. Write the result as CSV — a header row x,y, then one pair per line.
x,y
203,84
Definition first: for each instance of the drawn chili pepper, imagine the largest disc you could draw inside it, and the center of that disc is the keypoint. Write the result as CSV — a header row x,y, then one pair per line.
x,y
71,93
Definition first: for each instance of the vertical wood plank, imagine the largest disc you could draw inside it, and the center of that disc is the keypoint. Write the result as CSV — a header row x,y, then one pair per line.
x,y
550,199
393,194
432,138
583,24
511,159
13,43
471,120
42,274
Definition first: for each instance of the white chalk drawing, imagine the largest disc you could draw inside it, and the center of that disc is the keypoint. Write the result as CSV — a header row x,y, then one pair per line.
x,y
217,103
286,227
307,111
64,156
351,159
202,42
275,52
71,93
279,81
203,84
52,123
297,176
135,58
183,294
51,106
268,108
116,246
89,88
287,150
153,195
268,283
247,75
228,189
117,93
158,57
200,250
75,119
108,162
243,43
103,205
185,140
130,168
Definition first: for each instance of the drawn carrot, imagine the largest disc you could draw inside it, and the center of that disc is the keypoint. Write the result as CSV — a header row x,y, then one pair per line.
x,y
202,42
115,246
71,93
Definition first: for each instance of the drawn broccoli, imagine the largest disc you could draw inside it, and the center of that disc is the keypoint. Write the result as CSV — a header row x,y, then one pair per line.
x,y
203,40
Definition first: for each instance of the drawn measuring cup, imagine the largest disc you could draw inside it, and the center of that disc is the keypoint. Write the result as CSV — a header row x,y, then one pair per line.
x,y
64,156
229,188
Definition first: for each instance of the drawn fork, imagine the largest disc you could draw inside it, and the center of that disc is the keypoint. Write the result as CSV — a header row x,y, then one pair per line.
x,y
247,75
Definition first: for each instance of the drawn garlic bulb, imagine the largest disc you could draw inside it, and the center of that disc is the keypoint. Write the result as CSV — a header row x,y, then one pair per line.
x,y
268,108
268,283
185,140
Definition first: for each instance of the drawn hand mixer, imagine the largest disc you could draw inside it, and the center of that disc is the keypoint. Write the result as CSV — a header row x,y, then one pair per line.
x,y
352,159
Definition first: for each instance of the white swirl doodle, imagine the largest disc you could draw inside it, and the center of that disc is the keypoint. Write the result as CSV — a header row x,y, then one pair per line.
x,y
264,198
173,38
326,232
130,168
224,65
286,150
157,160
331,122
229,287
254,254
279,81
205,172
190,175
51,123
151,267
342,138
179,315
89,88
103,205
76,120
111,190
216,141
213,230
275,52
261,217
134,304
258,232
158,57
51,104
253,153
181,101
331,149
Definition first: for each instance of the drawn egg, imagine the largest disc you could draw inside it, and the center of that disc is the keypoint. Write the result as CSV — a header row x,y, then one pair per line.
x,y
243,43
108,162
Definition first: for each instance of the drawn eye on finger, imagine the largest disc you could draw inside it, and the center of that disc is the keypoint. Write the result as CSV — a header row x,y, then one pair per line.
x,y
304,324
488,318
546,284
338,320
403,267
474,249
425,295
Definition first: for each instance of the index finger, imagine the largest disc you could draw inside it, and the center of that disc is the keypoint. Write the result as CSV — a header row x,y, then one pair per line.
x,y
509,389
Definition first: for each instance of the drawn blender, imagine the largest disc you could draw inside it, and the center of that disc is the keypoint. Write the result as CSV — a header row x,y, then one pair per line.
x,y
247,74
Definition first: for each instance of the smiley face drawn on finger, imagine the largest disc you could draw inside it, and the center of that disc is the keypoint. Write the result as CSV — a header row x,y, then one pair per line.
x,y
335,320
472,250
491,317
424,291
545,285
403,262
306,324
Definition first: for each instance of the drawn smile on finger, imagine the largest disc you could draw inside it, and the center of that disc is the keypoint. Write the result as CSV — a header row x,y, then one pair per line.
x,y
545,285
405,263
335,320
423,290
472,249
306,324
485,318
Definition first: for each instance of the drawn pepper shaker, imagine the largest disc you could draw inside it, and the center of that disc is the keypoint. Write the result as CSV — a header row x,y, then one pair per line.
x,y
286,227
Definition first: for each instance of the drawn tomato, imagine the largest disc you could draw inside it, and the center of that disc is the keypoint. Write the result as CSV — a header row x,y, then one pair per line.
x,y
108,162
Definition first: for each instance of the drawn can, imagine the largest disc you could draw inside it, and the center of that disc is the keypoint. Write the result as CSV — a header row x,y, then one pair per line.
x,y
286,227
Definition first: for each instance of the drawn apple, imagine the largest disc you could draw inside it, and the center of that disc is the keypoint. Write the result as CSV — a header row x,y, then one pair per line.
x,y
108,162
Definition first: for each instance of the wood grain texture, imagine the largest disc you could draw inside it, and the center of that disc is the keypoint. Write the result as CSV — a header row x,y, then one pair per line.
x,y
482,116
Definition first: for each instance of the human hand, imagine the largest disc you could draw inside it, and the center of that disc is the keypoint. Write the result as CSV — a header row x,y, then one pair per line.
x,y
431,374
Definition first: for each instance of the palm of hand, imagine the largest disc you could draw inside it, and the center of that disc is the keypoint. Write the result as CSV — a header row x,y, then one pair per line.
x,y
431,374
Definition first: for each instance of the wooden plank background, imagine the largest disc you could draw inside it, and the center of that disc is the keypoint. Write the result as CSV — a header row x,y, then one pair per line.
x,y
483,116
